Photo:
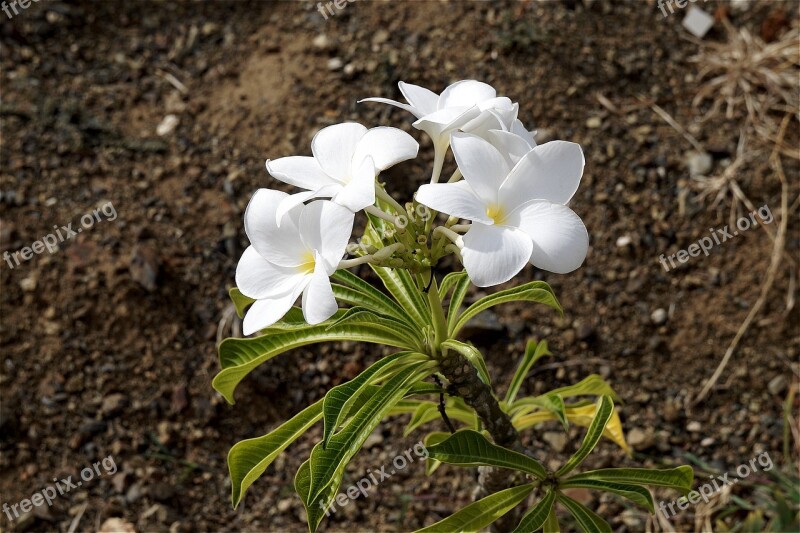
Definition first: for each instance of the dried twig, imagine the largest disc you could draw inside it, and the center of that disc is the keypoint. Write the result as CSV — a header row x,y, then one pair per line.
x,y
777,254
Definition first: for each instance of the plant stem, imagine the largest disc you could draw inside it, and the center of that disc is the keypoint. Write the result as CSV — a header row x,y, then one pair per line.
x,y
464,382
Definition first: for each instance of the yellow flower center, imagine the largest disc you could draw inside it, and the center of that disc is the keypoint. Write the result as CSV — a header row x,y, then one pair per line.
x,y
308,264
495,212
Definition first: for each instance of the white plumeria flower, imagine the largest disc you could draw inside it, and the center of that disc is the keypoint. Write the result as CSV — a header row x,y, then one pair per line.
x,y
297,256
518,214
467,105
347,158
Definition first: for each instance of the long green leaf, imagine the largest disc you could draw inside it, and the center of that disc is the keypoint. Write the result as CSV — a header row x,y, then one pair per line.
x,y
679,478
533,352
361,315
473,355
536,517
454,307
471,448
328,464
248,459
536,291
240,301
302,485
551,524
450,281
431,439
338,400
638,495
376,300
592,385
587,519
480,514
554,404
428,411
605,408
239,356
399,283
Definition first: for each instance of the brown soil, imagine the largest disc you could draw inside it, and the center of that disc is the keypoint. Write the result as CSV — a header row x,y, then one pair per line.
x,y
108,345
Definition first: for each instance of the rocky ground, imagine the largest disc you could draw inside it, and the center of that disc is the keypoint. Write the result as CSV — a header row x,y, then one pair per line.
x,y
108,344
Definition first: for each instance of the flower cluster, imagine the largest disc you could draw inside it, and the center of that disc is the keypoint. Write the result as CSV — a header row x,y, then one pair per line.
x,y
512,192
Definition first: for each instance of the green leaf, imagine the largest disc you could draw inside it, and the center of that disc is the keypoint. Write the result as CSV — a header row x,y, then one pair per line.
x,y
587,520
551,524
425,413
605,408
239,356
240,301
638,495
536,291
249,458
471,448
400,284
338,400
449,281
454,307
480,514
533,352
554,404
679,478
592,385
328,464
302,485
473,355
361,315
431,439
366,295
537,516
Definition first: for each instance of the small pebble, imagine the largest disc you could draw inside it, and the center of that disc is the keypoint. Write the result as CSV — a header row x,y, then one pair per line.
x,y
659,316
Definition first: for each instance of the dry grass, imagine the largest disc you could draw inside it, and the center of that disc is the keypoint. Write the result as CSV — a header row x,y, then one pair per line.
x,y
748,76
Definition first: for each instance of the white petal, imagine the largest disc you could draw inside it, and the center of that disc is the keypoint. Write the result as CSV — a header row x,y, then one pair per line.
x,y
466,93
258,278
512,146
294,200
457,199
560,240
481,164
519,129
494,254
360,191
265,313
551,171
319,303
485,121
386,146
443,121
279,244
300,171
407,107
497,113
333,148
420,98
326,227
